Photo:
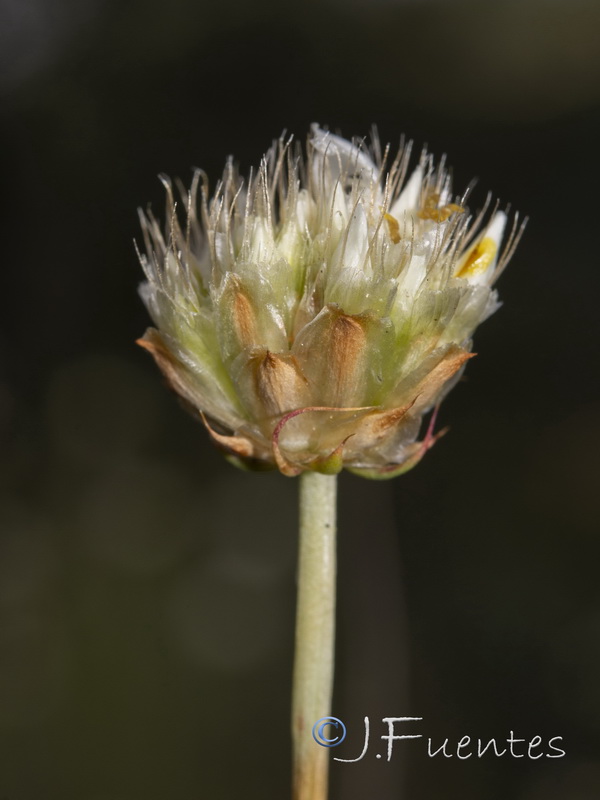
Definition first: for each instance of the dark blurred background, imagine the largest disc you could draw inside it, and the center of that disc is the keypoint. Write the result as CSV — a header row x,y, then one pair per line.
x,y
146,587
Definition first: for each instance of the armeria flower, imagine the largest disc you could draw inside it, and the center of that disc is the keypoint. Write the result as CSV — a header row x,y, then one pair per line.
x,y
313,314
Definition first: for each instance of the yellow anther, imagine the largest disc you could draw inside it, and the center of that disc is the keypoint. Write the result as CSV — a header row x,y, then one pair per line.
x,y
430,209
449,208
479,259
394,228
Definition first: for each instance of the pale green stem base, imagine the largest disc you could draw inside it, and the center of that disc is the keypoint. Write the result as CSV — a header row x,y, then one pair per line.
x,y
315,633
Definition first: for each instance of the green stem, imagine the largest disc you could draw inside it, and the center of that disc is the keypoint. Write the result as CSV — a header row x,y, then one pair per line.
x,y
315,633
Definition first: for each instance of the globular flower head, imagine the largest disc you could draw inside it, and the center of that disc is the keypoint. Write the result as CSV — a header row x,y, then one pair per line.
x,y
312,314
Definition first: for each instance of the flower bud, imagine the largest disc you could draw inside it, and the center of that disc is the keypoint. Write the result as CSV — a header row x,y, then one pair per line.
x,y
313,314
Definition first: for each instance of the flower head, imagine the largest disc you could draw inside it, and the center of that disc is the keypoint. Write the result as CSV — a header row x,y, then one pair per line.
x,y
313,314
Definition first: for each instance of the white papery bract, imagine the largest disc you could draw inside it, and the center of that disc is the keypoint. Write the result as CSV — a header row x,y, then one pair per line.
x,y
313,313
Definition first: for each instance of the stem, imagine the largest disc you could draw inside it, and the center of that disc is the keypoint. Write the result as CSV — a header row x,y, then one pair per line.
x,y
315,632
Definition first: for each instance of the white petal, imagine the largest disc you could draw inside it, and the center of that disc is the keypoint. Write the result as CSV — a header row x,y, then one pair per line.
x,y
343,153
496,227
489,241
352,246
408,199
